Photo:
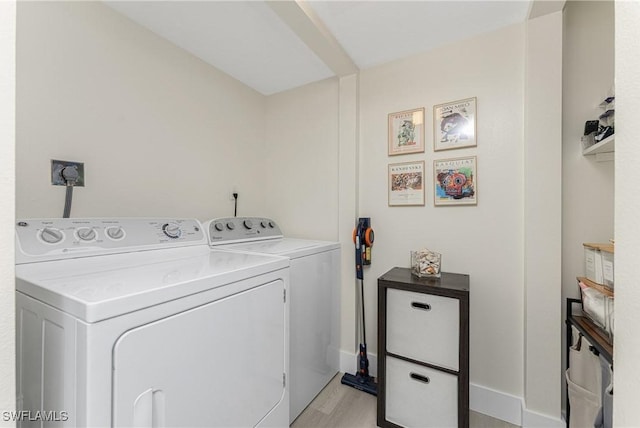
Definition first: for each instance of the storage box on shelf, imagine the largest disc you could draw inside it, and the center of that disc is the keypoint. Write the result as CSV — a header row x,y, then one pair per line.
x,y
597,305
423,350
598,263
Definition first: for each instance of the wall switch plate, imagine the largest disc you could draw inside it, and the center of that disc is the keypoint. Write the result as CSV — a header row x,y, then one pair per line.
x,y
56,172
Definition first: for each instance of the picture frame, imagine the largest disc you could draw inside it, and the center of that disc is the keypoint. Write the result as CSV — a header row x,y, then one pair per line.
x,y
406,132
406,184
455,181
455,124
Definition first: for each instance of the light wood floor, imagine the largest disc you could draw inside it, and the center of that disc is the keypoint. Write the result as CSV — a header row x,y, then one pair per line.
x,y
340,406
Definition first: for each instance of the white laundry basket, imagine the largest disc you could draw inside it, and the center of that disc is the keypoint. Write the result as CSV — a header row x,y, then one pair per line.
x,y
584,365
584,380
584,405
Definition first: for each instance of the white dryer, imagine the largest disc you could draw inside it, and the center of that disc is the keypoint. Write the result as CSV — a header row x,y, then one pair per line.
x,y
137,322
315,298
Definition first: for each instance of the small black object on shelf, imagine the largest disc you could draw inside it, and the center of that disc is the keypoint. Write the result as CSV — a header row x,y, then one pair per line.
x,y
591,126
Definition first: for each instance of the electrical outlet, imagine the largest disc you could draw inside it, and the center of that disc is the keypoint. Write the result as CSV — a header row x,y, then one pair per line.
x,y
56,172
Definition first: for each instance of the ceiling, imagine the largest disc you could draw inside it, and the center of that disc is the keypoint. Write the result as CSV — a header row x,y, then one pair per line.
x,y
273,46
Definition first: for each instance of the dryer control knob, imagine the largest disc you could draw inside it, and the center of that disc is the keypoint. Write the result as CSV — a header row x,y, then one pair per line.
x,y
248,224
272,224
219,226
263,224
51,235
86,234
230,225
115,232
172,230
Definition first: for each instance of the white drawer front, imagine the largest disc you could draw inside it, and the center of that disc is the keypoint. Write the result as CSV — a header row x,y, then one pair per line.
x,y
423,327
418,396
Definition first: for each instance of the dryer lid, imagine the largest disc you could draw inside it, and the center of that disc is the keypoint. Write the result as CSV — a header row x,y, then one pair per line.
x,y
289,247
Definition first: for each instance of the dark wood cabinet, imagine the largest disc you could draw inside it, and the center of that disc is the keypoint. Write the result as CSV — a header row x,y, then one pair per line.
x,y
423,350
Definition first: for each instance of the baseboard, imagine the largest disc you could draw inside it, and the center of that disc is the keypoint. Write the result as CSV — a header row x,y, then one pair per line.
x,y
496,404
509,408
349,362
531,419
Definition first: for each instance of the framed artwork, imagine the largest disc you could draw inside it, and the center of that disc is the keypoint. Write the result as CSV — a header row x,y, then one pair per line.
x,y
454,125
455,181
406,132
406,184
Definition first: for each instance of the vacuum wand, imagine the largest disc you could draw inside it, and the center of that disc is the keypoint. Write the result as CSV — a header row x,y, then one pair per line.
x,y
363,239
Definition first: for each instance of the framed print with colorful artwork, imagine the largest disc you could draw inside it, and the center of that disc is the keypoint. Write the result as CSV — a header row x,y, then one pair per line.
x,y
455,181
454,125
406,184
406,132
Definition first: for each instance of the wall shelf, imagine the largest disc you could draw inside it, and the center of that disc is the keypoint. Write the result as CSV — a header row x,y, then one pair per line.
x,y
603,151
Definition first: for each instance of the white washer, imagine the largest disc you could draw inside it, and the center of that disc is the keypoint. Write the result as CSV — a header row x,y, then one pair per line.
x,y
315,298
137,322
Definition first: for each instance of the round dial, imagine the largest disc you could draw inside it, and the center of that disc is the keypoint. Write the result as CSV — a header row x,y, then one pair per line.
x,y
230,225
248,224
272,224
172,230
86,234
115,232
263,224
219,227
51,235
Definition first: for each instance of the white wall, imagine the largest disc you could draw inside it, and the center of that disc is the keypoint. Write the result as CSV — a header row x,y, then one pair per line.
x,y
627,303
161,133
542,219
485,241
7,207
301,161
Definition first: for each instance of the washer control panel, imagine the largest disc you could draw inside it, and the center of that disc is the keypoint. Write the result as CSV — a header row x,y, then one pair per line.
x,y
229,230
60,238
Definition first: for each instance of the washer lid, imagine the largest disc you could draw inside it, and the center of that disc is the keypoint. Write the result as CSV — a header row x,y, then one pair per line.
x,y
289,247
97,288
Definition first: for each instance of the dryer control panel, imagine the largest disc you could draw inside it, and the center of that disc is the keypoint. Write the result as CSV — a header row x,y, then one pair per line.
x,y
64,238
229,230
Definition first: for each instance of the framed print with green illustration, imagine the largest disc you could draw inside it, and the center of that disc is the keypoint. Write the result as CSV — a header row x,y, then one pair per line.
x,y
406,132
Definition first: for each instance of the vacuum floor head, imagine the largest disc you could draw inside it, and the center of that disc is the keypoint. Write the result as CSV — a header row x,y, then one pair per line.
x,y
366,384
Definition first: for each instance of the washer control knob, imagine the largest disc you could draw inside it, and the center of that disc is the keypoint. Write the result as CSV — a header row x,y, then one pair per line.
x,y
263,224
51,235
86,234
230,225
272,224
248,224
115,232
172,230
219,227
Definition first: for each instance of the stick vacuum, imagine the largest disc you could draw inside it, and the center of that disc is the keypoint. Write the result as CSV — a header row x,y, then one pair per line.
x,y
363,239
